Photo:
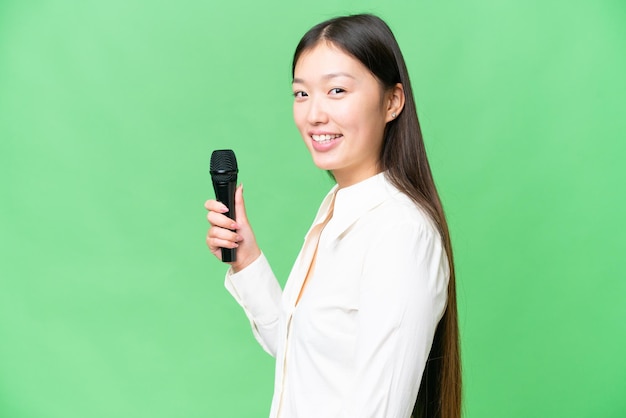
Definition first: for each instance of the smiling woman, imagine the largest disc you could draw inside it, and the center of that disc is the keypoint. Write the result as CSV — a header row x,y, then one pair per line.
x,y
366,326
341,112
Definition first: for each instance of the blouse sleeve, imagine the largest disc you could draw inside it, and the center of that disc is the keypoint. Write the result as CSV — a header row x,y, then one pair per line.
x,y
402,297
256,289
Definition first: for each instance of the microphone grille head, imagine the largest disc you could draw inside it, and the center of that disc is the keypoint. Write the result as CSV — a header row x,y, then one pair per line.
x,y
224,165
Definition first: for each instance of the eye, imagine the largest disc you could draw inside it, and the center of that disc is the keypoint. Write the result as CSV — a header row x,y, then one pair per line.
x,y
336,90
299,94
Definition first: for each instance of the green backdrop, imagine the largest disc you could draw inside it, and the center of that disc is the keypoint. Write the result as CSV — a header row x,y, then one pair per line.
x,y
110,303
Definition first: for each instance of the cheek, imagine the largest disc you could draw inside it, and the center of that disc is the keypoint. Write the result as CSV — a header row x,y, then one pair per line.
x,y
344,116
374,118
299,115
358,115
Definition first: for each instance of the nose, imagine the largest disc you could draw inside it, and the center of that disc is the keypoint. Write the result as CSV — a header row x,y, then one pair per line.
x,y
317,113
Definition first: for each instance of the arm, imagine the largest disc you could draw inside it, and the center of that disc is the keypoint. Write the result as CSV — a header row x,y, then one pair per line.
x,y
250,279
402,297
256,289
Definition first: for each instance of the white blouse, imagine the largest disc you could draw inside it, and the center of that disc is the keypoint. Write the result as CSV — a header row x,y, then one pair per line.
x,y
356,344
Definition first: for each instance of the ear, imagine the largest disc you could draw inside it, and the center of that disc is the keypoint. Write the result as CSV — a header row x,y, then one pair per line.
x,y
394,101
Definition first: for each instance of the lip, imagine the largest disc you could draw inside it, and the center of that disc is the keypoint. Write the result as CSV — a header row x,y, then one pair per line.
x,y
326,145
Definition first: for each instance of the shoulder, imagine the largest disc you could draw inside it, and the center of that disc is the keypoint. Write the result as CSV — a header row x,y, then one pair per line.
x,y
398,212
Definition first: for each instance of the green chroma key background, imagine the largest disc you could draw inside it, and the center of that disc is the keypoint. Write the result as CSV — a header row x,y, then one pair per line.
x,y
110,303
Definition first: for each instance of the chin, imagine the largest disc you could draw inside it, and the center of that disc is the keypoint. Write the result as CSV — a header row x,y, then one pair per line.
x,y
324,165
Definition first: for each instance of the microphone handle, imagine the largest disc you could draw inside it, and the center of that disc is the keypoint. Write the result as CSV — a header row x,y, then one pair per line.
x,y
225,193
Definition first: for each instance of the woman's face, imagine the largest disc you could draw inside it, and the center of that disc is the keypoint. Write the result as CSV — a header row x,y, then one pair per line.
x,y
341,111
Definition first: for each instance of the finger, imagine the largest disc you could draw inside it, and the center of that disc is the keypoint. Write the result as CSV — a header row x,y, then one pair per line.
x,y
224,234
217,243
222,221
215,206
240,207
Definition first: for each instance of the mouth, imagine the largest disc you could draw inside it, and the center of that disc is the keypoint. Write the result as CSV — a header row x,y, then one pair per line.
x,y
325,138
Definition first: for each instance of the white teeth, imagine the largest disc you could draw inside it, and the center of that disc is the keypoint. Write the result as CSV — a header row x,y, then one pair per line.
x,y
324,138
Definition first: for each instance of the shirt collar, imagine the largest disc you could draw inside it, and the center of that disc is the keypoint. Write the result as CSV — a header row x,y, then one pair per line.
x,y
350,203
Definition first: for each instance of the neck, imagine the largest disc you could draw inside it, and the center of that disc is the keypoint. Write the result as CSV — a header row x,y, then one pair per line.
x,y
350,178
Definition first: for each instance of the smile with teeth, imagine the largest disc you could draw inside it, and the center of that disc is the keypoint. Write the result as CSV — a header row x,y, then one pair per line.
x,y
324,138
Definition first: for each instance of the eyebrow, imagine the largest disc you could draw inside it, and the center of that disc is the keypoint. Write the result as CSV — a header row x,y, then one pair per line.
x,y
325,77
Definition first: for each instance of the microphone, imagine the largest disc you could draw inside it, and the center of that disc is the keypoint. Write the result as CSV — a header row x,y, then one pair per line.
x,y
224,175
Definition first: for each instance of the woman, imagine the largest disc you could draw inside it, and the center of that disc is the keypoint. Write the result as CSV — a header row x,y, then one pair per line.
x,y
368,315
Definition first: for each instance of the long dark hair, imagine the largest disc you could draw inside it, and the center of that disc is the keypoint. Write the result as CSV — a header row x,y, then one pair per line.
x,y
403,158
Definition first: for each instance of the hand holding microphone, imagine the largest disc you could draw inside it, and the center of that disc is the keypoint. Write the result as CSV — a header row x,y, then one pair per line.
x,y
230,237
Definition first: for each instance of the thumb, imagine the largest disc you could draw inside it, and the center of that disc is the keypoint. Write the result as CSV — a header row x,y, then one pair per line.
x,y
240,207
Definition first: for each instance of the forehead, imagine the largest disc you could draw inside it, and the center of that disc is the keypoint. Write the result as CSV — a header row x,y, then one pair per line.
x,y
324,59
